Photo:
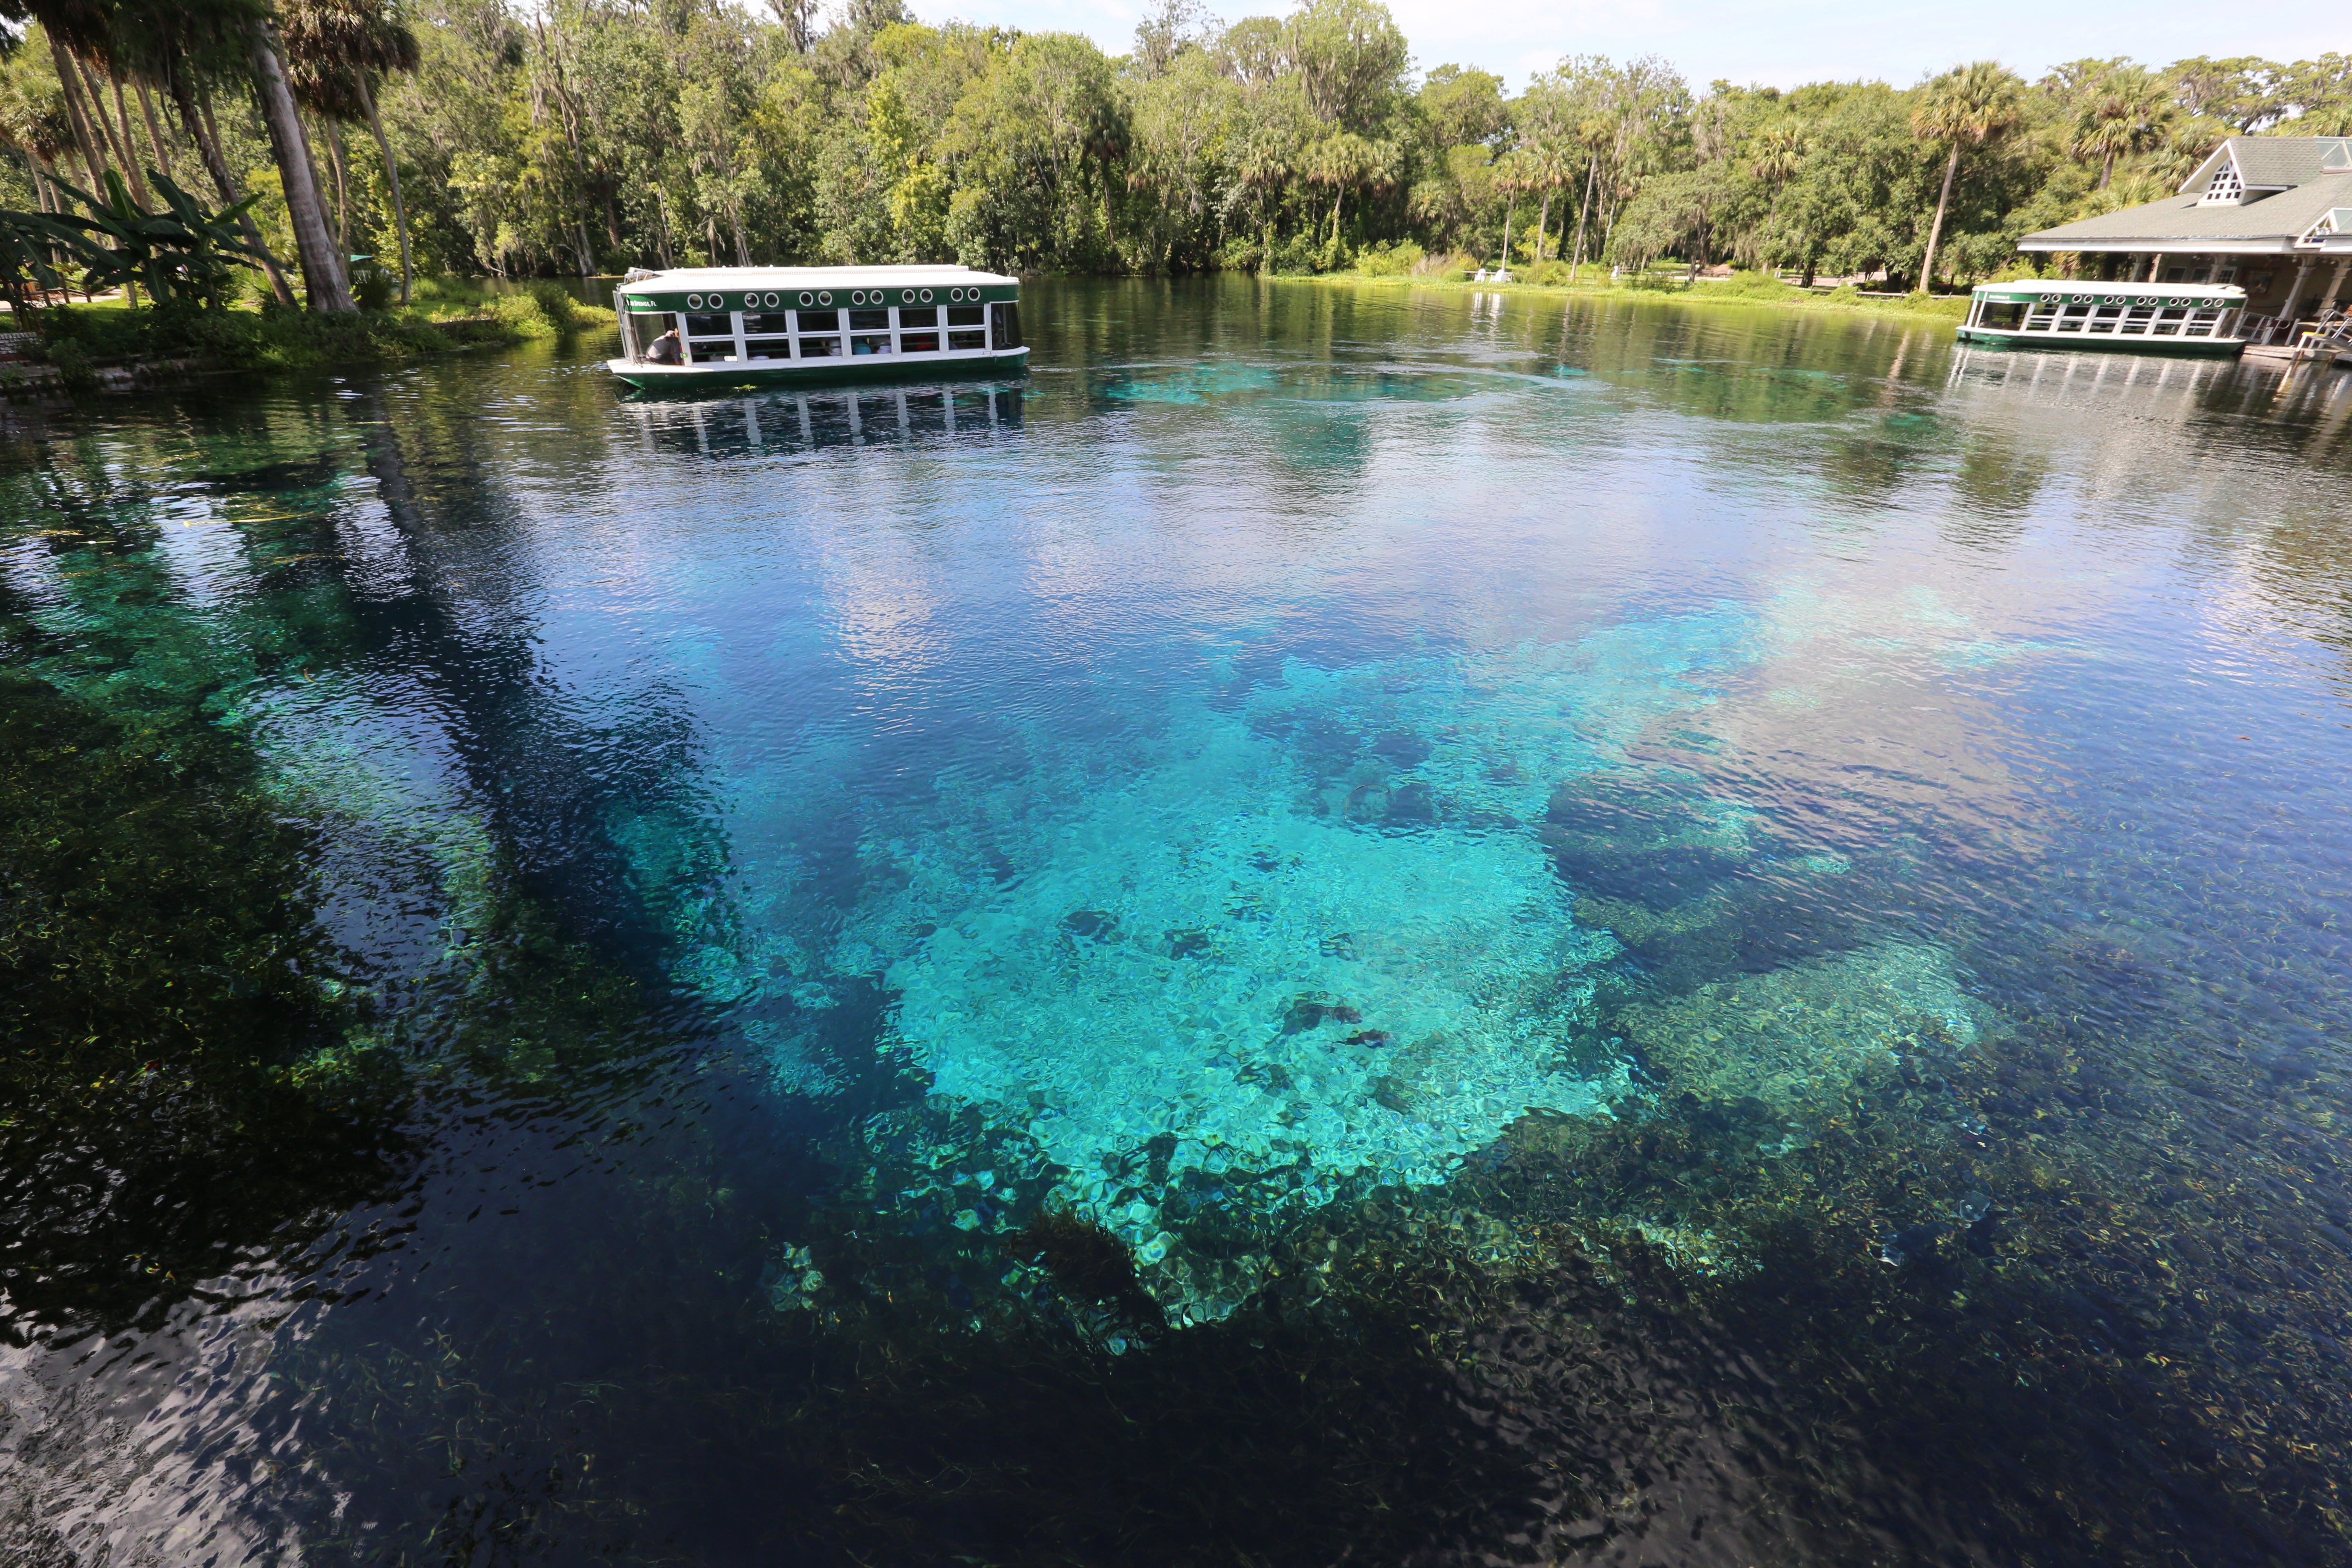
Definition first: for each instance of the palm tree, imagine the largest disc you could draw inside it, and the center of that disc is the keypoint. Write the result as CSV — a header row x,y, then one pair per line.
x,y
2126,110
332,49
1971,106
1549,166
175,41
323,281
184,49
1339,161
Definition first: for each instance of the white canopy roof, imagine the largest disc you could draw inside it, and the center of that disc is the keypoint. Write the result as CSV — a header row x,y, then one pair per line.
x,y
731,278
2200,293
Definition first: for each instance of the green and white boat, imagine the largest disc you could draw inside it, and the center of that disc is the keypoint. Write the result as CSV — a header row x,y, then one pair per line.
x,y
2143,317
727,326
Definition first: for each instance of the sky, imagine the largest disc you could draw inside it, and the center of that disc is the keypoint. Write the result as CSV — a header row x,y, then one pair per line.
x,y
1748,42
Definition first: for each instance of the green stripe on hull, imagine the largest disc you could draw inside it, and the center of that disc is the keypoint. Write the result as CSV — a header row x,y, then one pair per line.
x,y
821,373
2227,348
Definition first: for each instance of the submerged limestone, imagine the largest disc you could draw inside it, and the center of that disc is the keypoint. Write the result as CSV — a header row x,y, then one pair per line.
x,y
1792,1038
1318,927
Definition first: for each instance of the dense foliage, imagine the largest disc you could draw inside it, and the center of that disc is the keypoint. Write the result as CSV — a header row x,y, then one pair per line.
x,y
583,136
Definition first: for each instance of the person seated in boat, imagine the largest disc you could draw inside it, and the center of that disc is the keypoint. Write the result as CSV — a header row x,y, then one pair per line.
x,y
667,350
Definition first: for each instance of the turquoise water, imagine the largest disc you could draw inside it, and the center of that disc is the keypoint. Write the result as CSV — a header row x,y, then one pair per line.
x,y
1661,935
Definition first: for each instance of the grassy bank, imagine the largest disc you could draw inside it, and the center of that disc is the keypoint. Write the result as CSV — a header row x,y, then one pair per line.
x,y
106,346
1744,288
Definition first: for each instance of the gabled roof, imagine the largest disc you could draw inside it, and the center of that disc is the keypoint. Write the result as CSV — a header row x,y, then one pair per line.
x,y
2275,163
2282,218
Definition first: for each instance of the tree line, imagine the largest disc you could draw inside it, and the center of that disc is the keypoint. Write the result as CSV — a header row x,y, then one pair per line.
x,y
589,136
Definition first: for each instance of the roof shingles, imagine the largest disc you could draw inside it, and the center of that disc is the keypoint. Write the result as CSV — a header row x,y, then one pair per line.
x,y
2316,171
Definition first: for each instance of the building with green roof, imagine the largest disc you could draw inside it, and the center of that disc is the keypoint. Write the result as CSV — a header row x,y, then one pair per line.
x,y
2270,214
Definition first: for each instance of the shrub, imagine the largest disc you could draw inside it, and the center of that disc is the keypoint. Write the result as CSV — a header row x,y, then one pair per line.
x,y
1397,260
75,371
554,305
373,289
1752,283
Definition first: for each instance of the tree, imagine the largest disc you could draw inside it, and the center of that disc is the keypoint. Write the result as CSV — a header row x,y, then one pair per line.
x,y
2124,111
1971,107
333,49
323,282
1350,61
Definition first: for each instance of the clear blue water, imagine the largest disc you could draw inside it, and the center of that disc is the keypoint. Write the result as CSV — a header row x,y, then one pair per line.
x,y
1671,935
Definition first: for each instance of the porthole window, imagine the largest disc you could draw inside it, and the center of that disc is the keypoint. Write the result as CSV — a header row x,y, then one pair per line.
x,y
824,297
694,301
927,296
806,298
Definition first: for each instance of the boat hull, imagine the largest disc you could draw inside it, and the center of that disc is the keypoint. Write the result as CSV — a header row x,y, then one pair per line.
x,y
2105,343
833,372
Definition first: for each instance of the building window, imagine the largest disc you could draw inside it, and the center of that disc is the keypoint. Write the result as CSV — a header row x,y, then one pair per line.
x,y
2226,189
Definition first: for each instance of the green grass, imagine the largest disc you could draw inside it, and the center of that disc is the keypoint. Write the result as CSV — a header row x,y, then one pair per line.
x,y
1747,288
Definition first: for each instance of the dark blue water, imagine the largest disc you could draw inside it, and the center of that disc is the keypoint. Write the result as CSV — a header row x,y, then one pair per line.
x,y
1636,935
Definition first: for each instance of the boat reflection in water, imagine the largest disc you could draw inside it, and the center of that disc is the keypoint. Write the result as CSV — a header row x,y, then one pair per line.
x,y
793,421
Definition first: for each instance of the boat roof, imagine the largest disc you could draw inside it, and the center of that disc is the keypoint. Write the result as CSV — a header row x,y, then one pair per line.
x,y
736,278
2215,293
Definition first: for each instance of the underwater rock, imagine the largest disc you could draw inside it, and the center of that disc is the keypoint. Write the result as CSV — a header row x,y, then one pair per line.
x,y
1101,924
1973,1207
1192,942
1910,1245
1087,1263
1637,924
1305,1013
1794,1038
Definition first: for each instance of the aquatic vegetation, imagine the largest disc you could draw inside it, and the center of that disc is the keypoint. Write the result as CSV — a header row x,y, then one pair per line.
x,y
178,1078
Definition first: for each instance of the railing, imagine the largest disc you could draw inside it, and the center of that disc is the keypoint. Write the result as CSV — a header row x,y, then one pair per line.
x,y
2325,338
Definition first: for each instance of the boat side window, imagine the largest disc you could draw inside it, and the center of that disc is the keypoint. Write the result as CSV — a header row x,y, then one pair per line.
x,y
2001,314
870,343
1006,324
960,342
710,326
648,328
820,320
967,316
820,348
764,326
2137,320
768,348
869,320
919,343
2167,322
918,316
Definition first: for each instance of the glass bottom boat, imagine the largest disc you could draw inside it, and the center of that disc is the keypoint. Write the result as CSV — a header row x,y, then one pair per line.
x,y
726,326
2143,317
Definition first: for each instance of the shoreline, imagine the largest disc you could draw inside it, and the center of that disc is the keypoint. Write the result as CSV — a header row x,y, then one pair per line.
x,y
102,349
1926,310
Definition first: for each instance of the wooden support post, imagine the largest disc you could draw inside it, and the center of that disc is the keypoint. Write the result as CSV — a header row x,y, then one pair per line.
x,y
2294,292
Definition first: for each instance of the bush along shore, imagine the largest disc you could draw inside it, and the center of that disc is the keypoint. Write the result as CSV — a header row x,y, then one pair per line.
x,y
107,347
